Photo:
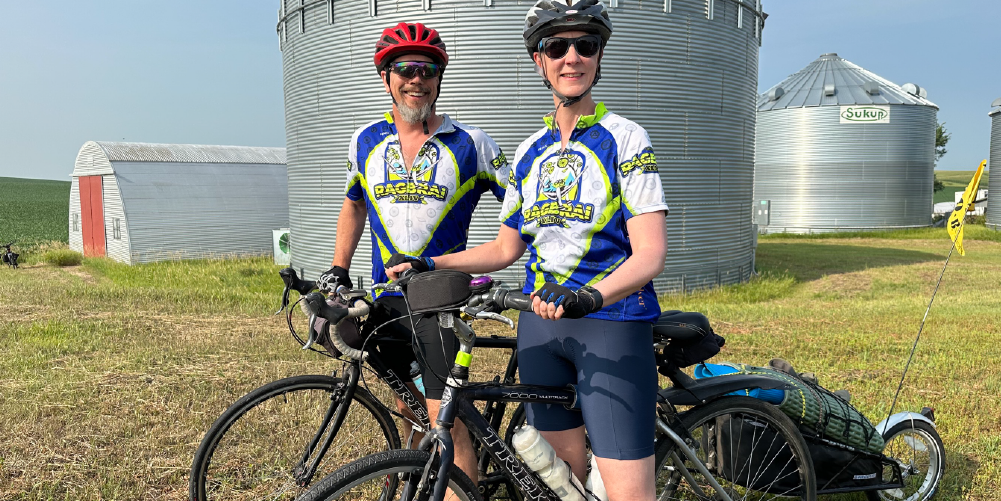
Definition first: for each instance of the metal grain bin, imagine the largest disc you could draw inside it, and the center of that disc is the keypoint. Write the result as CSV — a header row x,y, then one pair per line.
x,y
993,211
839,148
686,70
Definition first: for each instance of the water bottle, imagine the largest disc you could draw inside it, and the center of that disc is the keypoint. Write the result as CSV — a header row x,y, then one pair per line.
x,y
415,376
541,458
595,487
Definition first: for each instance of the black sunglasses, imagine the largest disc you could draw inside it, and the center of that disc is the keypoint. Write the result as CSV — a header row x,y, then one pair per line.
x,y
410,69
557,47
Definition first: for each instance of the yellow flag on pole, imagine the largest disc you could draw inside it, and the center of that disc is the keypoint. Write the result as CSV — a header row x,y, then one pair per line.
x,y
964,205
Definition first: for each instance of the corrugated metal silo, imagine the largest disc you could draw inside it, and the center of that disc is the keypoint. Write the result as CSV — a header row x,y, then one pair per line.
x,y
839,148
993,211
686,70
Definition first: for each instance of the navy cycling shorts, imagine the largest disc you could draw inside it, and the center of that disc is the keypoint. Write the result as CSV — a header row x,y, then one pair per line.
x,y
611,363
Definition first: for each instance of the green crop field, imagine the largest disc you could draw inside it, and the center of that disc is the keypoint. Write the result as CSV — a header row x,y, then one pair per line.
x,y
956,180
111,374
34,211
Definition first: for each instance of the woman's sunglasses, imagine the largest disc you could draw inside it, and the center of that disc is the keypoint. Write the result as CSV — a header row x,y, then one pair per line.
x,y
410,69
557,47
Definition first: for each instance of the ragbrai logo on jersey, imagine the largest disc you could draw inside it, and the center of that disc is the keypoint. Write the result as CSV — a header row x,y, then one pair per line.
x,y
412,187
559,192
644,162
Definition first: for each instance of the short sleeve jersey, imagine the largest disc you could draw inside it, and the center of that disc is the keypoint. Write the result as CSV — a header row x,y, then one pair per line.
x,y
426,211
571,205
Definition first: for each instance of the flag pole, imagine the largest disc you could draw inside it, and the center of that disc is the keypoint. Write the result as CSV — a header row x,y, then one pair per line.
x,y
969,197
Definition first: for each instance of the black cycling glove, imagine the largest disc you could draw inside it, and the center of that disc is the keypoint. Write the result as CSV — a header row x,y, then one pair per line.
x,y
333,277
576,304
419,264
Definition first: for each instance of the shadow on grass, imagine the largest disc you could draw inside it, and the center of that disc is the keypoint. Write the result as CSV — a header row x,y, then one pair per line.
x,y
809,261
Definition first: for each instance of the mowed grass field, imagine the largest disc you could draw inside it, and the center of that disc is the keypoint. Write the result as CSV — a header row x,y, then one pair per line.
x,y
110,375
34,211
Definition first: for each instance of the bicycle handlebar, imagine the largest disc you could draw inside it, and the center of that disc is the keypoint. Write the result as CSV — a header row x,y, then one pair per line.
x,y
317,305
293,282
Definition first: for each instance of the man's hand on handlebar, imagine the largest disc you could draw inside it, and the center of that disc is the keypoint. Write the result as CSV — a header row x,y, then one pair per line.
x,y
333,277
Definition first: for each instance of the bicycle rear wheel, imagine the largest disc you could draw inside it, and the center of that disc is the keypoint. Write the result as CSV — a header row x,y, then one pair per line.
x,y
751,449
254,450
381,477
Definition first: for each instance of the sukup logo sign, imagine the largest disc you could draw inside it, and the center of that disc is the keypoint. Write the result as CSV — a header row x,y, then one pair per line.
x,y
865,114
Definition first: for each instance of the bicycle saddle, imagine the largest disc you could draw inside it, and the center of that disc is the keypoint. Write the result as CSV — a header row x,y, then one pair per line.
x,y
681,326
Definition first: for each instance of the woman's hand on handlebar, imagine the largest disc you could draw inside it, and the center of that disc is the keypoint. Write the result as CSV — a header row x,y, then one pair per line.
x,y
395,272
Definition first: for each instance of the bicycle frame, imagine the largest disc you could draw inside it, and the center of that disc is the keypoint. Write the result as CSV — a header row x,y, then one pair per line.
x,y
458,402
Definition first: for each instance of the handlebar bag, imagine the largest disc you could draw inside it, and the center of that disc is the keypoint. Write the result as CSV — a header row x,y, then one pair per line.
x,y
349,329
437,290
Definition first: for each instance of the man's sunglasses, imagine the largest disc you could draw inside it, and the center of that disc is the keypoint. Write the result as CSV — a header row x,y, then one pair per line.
x,y
410,69
557,47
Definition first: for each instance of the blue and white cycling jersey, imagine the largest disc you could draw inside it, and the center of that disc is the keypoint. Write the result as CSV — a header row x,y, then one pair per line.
x,y
426,211
571,205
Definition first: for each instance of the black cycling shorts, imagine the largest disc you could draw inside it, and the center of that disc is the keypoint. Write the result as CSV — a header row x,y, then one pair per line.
x,y
436,348
611,363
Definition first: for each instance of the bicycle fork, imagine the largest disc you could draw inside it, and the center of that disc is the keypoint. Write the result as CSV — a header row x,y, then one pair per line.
x,y
340,401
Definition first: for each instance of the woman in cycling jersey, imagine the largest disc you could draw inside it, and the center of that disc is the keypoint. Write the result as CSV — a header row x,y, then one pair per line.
x,y
586,199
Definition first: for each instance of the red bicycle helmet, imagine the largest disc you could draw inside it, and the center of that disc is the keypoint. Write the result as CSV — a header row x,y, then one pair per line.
x,y
409,38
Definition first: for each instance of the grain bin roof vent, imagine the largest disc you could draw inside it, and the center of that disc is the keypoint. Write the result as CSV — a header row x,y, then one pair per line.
x,y
914,90
776,93
995,107
834,81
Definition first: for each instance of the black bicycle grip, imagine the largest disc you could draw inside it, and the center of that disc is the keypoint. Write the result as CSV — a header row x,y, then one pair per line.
x,y
514,300
317,304
293,282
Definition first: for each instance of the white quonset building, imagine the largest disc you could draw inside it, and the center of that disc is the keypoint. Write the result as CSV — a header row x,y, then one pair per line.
x,y
993,211
685,70
839,148
142,202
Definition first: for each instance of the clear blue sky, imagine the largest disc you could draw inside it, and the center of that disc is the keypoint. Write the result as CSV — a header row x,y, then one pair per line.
x,y
209,72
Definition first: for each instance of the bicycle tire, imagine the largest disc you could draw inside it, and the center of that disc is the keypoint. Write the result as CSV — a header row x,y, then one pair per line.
x,y
404,465
774,441
910,437
235,460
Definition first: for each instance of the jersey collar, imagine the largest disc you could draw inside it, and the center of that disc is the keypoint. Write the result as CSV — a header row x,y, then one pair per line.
x,y
445,127
584,121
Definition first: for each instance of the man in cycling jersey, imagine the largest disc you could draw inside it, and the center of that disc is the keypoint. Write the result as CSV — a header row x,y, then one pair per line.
x,y
417,176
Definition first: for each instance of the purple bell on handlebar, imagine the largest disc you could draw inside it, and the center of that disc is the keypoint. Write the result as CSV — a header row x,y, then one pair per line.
x,y
480,285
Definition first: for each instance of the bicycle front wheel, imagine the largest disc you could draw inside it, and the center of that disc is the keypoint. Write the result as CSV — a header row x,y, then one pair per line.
x,y
749,447
255,449
382,477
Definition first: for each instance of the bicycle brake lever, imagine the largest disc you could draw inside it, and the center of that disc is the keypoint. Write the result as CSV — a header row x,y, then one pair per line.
x,y
284,300
312,333
488,315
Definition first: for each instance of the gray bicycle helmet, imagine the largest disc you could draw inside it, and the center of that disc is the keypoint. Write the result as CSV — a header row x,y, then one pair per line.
x,y
549,17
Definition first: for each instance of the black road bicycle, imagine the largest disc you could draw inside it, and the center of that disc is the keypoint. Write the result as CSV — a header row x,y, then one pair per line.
x,y
273,442
9,257
721,448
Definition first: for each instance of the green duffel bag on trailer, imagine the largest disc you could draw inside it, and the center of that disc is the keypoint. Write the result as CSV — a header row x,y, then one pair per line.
x,y
812,407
